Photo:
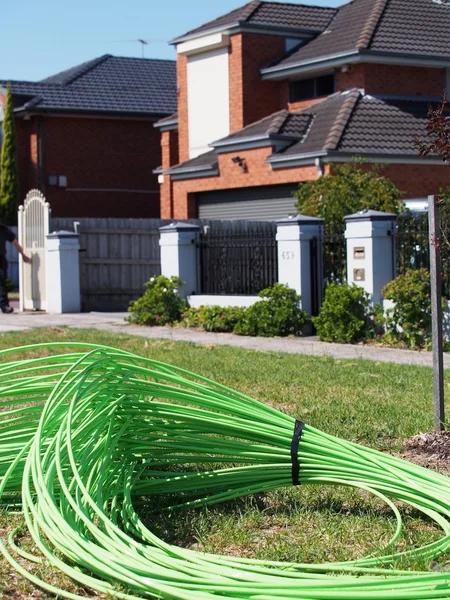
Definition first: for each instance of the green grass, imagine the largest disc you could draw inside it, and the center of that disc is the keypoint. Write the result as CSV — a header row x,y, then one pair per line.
x,y
376,404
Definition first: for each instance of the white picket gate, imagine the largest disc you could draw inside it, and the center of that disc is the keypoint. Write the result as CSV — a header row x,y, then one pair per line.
x,y
34,225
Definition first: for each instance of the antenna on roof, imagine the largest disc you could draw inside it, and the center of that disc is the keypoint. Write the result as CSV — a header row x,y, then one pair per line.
x,y
444,2
143,44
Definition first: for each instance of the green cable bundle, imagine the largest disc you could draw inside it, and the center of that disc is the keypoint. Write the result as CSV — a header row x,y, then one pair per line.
x,y
85,435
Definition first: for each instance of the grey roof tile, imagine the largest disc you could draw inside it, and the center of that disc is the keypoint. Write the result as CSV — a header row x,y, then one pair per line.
x,y
395,26
273,14
108,84
385,126
206,160
322,118
279,124
414,26
286,14
341,35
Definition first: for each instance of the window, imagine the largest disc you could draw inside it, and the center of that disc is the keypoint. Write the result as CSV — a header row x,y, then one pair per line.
x,y
291,43
306,89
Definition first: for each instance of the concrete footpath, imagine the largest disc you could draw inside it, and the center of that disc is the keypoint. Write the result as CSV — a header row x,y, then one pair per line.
x,y
115,323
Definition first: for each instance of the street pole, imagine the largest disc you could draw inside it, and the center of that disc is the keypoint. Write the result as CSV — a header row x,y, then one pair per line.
x,y
436,312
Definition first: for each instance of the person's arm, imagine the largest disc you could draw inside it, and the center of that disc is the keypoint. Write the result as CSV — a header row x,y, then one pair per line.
x,y
16,244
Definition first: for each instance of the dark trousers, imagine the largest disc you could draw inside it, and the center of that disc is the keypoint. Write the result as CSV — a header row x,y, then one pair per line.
x,y
3,275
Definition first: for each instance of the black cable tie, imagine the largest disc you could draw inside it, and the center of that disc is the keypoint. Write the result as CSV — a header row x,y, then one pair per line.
x,y
298,430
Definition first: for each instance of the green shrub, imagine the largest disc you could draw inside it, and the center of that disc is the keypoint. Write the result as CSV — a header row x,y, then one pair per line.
x,y
160,303
214,318
276,314
345,315
409,320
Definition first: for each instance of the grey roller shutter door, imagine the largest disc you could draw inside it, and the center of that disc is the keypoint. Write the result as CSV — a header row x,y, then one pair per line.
x,y
267,203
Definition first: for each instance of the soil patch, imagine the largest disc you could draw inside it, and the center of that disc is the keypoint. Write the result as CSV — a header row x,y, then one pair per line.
x,y
431,450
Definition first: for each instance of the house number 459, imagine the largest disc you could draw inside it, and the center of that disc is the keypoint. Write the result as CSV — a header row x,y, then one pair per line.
x,y
288,255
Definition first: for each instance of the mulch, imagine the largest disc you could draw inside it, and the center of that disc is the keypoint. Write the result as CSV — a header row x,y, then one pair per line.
x,y
431,450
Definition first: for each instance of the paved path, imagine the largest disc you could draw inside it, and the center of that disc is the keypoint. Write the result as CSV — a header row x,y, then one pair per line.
x,y
114,323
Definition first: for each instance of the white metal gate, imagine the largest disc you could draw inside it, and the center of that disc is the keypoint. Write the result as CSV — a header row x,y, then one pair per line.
x,y
34,224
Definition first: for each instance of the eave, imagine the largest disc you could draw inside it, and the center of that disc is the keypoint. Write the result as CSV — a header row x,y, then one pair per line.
x,y
354,57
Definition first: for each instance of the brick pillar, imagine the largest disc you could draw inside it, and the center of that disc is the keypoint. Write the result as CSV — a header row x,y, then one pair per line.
x,y
295,237
370,250
179,255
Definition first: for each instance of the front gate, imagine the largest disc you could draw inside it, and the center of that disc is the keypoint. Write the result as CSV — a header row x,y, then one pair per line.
x,y
34,224
238,259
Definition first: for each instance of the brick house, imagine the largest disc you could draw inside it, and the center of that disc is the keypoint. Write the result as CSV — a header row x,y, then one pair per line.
x,y
274,93
86,136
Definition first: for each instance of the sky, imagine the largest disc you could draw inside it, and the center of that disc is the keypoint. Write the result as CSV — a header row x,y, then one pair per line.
x,y
39,38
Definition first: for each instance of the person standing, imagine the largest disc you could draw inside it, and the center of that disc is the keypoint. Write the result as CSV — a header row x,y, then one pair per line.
x,y
6,235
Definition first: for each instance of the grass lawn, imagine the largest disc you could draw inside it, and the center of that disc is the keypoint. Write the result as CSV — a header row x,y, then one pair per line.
x,y
376,404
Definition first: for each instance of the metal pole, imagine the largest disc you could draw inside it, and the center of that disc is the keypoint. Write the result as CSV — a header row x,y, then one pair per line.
x,y
436,312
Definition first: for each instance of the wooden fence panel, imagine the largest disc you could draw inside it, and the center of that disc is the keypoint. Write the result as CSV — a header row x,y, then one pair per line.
x,y
117,257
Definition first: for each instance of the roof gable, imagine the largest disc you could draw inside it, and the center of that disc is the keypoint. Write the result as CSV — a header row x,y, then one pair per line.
x,y
260,13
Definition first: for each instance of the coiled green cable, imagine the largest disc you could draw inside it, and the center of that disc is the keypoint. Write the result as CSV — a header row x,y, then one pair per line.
x,y
85,434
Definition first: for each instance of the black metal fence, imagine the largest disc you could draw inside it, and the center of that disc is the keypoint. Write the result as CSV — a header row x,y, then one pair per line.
x,y
238,259
412,248
411,242
334,253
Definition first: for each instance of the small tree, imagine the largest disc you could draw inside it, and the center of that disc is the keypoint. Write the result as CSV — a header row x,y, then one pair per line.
x,y
9,179
351,188
438,130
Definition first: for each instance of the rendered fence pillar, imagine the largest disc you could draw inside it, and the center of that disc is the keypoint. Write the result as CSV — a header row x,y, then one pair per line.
x,y
179,255
370,250
298,267
63,272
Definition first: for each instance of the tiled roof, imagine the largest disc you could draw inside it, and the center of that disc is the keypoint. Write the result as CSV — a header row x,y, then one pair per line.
x,y
358,124
272,14
348,123
418,27
385,126
107,85
324,117
280,124
414,26
208,160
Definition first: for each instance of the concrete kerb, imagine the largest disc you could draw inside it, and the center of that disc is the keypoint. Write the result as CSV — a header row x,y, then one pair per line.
x,y
114,323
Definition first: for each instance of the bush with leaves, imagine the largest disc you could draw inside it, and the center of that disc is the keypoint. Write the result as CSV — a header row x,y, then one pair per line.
x,y
409,320
160,303
276,314
216,319
347,190
9,177
345,315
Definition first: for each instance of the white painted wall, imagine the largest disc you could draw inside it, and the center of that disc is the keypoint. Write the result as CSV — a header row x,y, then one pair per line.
x,y
224,301
208,99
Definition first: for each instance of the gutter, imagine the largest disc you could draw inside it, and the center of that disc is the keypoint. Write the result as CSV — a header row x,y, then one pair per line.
x,y
247,143
354,57
23,110
325,157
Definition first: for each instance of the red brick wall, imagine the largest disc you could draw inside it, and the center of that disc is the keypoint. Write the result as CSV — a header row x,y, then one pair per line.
x,y
27,155
111,154
418,181
170,157
415,181
231,177
252,98
304,103
392,79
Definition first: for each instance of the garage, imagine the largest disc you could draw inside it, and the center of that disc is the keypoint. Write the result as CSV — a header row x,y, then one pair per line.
x,y
265,203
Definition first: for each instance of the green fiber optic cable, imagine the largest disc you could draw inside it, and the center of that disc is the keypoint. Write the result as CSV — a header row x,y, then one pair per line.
x,y
88,431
